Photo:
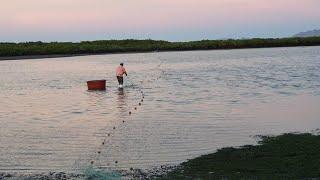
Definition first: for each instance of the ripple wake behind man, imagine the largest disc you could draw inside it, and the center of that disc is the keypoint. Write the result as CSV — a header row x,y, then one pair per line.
x,y
120,71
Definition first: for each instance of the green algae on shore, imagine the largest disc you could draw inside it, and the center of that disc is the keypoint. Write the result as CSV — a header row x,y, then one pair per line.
x,y
288,156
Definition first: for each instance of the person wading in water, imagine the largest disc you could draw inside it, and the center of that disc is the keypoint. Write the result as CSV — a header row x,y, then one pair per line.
x,y
120,72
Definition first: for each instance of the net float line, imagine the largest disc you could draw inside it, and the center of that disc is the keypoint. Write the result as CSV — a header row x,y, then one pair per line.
x,y
114,128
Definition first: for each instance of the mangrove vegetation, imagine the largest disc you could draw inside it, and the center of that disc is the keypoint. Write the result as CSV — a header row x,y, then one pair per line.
x,y
130,45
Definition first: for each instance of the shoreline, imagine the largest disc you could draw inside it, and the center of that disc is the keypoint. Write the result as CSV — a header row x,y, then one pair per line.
x,y
286,156
92,173
49,56
28,57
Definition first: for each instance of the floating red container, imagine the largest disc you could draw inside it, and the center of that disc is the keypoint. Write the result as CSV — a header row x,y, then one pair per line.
x,y
97,85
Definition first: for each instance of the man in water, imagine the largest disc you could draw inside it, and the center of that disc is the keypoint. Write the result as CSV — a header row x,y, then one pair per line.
x,y
119,72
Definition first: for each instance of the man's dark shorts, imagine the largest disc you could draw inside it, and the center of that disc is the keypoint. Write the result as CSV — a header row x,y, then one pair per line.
x,y
120,79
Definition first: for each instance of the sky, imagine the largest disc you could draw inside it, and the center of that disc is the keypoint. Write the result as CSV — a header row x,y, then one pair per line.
x,y
172,20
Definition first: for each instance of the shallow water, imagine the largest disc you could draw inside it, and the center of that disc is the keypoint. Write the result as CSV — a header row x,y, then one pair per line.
x,y
194,102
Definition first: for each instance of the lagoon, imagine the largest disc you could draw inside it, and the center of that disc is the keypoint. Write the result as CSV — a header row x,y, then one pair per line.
x,y
194,102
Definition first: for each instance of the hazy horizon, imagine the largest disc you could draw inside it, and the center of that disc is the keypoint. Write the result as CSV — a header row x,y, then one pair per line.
x,y
176,20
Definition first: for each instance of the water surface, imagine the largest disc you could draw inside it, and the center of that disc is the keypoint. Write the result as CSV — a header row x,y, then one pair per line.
x,y
194,102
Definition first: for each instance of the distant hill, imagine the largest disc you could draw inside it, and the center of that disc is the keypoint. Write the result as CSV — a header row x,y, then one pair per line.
x,y
308,33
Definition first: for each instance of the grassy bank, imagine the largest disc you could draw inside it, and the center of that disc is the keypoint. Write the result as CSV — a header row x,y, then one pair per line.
x,y
121,46
289,156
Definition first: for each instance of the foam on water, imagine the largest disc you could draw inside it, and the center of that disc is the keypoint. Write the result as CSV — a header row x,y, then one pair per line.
x,y
97,174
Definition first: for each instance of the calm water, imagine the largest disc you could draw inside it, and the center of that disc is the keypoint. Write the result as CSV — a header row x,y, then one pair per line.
x,y
195,102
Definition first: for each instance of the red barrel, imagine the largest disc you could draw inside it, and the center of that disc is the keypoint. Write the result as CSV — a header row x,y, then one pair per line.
x,y
97,85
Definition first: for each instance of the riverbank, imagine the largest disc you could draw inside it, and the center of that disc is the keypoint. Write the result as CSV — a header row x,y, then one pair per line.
x,y
91,173
6,58
34,50
288,156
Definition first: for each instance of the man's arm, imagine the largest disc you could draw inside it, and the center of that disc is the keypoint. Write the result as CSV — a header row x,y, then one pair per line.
x,y
125,72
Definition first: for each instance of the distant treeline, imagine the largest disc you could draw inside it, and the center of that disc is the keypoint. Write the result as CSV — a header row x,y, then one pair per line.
x,y
130,45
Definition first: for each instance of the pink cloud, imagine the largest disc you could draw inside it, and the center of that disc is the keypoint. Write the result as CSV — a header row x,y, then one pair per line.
x,y
136,15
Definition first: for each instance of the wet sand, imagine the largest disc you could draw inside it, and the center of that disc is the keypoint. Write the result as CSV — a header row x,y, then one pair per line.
x,y
137,174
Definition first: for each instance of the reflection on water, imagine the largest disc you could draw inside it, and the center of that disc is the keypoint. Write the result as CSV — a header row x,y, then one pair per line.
x,y
121,102
194,102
